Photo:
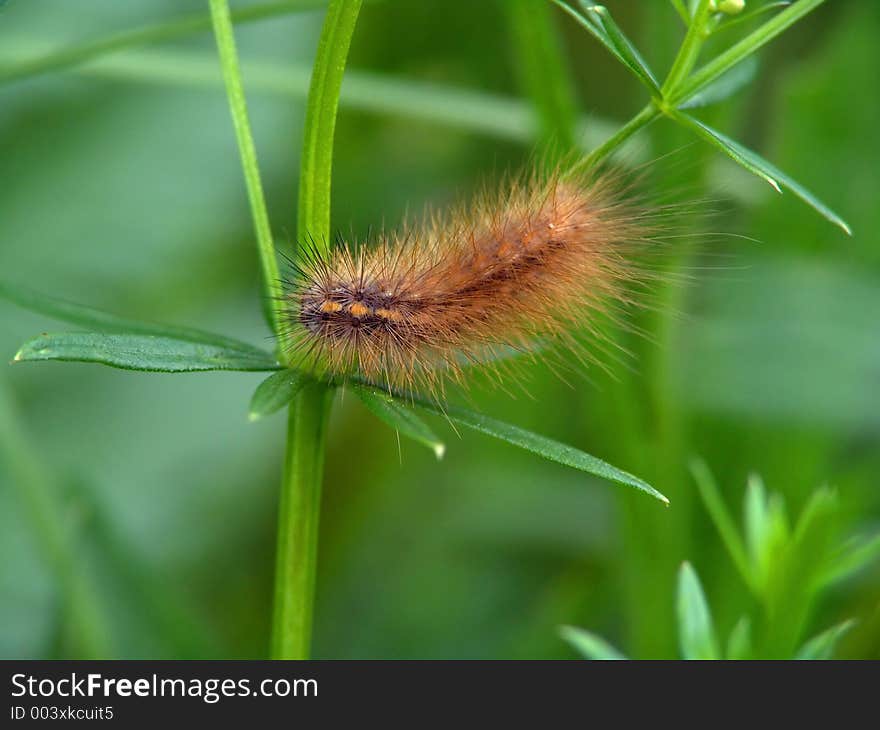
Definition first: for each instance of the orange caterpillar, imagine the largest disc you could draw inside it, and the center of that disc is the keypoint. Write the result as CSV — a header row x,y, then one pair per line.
x,y
531,265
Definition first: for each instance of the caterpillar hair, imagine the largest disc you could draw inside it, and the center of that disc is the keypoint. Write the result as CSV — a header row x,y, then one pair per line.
x,y
551,255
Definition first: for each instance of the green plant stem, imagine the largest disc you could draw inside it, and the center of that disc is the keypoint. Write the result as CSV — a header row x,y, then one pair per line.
x,y
299,506
647,115
298,516
316,164
158,33
690,48
224,34
746,47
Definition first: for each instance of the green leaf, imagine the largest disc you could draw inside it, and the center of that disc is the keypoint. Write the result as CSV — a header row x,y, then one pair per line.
x,y
741,50
588,644
594,23
766,529
714,504
739,643
725,86
756,521
143,352
850,558
725,144
547,448
822,646
275,392
626,51
97,319
396,414
695,633
756,164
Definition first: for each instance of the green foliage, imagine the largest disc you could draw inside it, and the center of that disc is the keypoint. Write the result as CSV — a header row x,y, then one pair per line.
x,y
786,571
685,88
142,352
275,392
540,445
696,634
402,419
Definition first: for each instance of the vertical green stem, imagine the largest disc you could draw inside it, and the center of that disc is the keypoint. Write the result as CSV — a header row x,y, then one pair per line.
x,y
222,20
690,48
299,507
313,216
647,115
298,516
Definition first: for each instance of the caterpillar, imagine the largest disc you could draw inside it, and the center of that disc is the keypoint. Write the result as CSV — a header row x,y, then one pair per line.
x,y
545,258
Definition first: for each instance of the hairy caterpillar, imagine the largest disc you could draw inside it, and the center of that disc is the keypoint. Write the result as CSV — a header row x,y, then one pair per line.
x,y
533,264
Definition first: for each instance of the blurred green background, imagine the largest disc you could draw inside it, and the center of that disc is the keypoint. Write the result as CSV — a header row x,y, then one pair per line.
x,y
152,499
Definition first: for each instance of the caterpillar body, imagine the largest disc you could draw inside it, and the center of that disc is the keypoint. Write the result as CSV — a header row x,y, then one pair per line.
x,y
535,263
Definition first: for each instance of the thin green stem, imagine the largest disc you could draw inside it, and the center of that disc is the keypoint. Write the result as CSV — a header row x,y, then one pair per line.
x,y
223,32
313,221
647,115
298,516
682,11
690,48
744,48
157,33
299,506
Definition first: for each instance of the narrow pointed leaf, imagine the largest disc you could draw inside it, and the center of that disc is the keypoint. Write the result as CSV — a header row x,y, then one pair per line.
x,y
593,24
275,392
852,557
695,632
739,643
588,644
400,417
142,352
714,504
753,162
626,51
730,148
540,445
757,526
97,319
743,49
822,646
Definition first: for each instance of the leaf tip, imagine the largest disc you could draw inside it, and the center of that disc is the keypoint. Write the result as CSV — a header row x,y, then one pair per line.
x,y
773,184
439,450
